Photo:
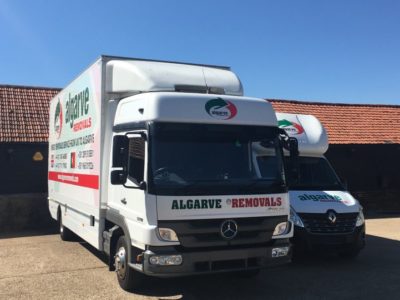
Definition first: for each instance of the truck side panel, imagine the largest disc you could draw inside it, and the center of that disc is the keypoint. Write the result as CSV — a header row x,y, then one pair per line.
x,y
75,154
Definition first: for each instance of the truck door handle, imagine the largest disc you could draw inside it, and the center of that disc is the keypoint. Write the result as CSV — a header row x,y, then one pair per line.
x,y
123,200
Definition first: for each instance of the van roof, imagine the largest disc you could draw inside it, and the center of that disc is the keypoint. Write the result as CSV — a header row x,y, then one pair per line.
x,y
307,129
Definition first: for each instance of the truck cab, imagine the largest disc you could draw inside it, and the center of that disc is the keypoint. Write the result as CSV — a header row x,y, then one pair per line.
x,y
326,216
152,163
187,189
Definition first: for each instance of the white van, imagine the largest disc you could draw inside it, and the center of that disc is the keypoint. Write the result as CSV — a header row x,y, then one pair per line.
x,y
326,216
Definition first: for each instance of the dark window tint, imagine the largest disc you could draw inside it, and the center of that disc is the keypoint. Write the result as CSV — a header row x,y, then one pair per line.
x,y
136,159
209,159
311,173
269,166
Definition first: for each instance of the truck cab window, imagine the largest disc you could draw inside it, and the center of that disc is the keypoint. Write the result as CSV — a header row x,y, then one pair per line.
x,y
136,159
269,166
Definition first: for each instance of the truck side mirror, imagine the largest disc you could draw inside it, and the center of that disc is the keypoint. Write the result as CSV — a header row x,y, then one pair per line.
x,y
293,147
120,151
118,177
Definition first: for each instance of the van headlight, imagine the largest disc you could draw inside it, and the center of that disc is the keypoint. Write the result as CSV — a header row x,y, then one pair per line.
x,y
294,217
167,234
360,218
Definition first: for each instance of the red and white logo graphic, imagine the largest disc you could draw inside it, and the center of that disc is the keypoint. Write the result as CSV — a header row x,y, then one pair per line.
x,y
58,119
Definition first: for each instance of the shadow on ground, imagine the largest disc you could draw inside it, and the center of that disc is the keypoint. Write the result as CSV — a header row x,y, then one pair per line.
x,y
51,228
374,273
382,215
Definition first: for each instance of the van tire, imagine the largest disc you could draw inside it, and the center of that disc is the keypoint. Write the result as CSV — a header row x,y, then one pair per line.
x,y
65,233
128,278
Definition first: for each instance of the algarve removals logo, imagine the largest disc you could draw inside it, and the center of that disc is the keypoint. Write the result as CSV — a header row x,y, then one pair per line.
x,y
221,109
58,119
290,127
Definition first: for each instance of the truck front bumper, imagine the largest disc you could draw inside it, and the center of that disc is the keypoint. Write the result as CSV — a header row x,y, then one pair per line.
x,y
215,261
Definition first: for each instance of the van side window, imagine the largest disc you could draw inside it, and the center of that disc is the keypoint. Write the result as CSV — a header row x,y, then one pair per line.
x,y
136,159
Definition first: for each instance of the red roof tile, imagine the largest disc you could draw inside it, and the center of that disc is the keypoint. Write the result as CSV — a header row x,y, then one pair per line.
x,y
24,113
24,117
350,123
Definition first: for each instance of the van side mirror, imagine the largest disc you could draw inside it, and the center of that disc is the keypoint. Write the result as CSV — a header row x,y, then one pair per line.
x,y
293,147
120,151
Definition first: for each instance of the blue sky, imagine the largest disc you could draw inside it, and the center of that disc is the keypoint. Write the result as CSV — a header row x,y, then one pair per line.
x,y
321,50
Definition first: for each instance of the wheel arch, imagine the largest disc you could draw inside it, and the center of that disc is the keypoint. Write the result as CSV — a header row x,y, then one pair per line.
x,y
115,227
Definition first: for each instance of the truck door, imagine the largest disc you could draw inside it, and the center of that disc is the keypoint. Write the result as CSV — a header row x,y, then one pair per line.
x,y
128,197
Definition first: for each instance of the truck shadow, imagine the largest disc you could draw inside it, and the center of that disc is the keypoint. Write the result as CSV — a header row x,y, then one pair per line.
x,y
382,215
50,228
374,273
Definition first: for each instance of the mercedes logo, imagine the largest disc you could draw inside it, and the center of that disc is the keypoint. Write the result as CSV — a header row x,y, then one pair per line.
x,y
332,217
229,229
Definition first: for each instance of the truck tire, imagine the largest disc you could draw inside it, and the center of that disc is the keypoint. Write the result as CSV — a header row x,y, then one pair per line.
x,y
128,278
65,233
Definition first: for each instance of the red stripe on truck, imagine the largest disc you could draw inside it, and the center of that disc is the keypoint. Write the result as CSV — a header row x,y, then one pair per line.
x,y
84,180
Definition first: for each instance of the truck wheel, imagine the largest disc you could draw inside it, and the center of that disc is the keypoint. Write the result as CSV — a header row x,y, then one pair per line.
x,y
128,278
65,233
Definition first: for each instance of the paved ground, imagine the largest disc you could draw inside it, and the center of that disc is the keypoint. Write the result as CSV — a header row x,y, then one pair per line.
x,y
43,267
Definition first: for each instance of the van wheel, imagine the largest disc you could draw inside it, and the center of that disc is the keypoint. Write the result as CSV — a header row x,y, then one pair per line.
x,y
65,233
128,278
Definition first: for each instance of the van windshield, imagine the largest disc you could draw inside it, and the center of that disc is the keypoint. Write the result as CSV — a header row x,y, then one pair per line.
x,y
311,173
209,159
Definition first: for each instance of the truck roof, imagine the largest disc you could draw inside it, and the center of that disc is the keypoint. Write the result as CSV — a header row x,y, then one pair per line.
x,y
307,129
130,75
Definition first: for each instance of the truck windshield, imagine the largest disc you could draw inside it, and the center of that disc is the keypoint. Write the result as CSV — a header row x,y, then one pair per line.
x,y
311,173
208,159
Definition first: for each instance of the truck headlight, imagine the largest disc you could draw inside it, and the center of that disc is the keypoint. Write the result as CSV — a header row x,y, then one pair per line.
x,y
167,234
360,219
280,228
294,217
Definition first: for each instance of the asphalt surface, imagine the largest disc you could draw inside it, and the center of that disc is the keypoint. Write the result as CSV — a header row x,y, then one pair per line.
x,y
44,267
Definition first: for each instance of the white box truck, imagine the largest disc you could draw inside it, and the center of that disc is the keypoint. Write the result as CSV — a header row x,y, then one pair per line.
x,y
151,162
326,216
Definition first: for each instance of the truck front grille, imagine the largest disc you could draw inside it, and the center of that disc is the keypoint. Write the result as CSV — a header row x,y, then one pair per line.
x,y
319,223
207,233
